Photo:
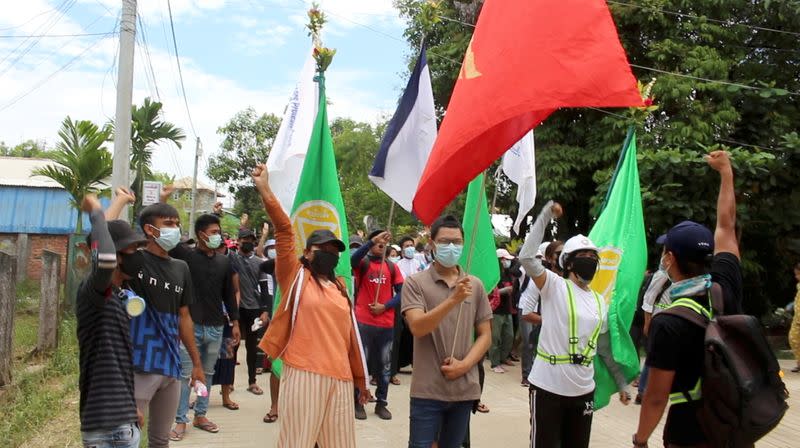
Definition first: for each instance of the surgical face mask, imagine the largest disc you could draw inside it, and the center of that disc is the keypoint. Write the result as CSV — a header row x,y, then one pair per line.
x,y
214,241
247,247
394,259
272,253
506,264
584,268
663,268
353,250
169,237
448,254
409,252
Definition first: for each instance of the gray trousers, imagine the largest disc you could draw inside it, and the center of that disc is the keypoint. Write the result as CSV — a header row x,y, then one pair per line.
x,y
157,397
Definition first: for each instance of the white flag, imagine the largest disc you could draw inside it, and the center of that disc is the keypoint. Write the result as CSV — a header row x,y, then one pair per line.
x,y
285,161
408,140
519,164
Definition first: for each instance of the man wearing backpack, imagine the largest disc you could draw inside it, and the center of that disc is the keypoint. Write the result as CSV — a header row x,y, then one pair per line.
x,y
378,283
692,259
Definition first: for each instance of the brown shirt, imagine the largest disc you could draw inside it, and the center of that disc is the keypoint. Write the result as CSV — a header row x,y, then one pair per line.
x,y
426,290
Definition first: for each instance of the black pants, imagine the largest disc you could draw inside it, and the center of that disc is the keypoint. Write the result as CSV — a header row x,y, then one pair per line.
x,y
560,422
250,337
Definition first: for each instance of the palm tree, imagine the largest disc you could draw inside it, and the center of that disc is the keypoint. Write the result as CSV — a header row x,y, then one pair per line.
x,y
147,128
82,161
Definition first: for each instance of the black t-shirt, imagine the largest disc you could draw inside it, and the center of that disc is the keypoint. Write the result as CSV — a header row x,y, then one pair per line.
x,y
675,344
212,285
267,268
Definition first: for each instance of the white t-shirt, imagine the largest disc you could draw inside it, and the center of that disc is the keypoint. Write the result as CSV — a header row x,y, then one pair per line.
x,y
656,285
529,298
410,266
569,380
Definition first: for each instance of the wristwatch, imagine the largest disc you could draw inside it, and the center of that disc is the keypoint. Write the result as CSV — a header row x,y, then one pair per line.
x,y
638,444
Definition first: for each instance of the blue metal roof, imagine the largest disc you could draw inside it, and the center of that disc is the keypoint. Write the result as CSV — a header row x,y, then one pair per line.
x,y
39,210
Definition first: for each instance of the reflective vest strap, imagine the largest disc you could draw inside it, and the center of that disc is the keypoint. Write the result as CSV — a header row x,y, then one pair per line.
x,y
685,397
591,344
691,304
553,359
573,320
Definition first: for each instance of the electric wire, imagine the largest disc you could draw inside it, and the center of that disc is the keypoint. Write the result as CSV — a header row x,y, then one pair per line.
x,y
180,71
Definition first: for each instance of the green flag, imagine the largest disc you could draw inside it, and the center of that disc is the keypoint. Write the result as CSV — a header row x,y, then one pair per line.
x,y
478,226
619,233
318,203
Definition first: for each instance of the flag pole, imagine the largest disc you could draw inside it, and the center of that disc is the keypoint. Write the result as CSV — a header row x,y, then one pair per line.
x,y
469,261
383,257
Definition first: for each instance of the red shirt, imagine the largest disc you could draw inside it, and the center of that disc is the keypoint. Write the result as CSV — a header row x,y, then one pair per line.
x,y
367,280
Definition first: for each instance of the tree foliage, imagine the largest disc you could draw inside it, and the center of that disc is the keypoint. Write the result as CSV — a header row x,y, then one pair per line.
x,y
83,161
28,148
577,149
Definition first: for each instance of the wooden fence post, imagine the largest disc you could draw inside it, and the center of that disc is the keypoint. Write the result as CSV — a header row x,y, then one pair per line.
x,y
49,304
8,300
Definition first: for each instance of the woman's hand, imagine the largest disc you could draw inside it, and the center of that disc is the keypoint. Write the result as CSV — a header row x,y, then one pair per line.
x,y
260,177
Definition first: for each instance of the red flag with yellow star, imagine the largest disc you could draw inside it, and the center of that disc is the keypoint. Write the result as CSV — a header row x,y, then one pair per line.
x,y
526,59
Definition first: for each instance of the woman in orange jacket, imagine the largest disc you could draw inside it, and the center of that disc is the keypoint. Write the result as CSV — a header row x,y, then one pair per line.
x,y
313,331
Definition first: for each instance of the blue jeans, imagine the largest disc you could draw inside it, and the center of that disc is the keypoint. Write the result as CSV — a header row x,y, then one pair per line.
x,y
643,379
124,436
529,334
377,343
432,420
208,340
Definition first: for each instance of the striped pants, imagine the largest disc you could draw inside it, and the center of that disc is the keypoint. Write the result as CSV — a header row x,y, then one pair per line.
x,y
315,409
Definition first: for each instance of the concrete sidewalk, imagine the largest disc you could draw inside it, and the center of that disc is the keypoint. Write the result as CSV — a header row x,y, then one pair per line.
x,y
505,426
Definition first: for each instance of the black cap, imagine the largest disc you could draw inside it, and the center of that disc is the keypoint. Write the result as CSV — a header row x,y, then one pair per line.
x,y
244,233
374,233
689,241
356,240
123,235
323,236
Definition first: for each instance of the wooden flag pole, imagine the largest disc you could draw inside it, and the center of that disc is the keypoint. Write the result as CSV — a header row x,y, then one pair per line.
x,y
383,257
469,260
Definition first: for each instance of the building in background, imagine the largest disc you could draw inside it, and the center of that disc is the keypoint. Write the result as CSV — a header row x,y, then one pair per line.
x,y
206,196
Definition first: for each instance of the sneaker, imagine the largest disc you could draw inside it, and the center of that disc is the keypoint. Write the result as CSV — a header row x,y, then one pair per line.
x,y
382,412
361,413
498,369
525,383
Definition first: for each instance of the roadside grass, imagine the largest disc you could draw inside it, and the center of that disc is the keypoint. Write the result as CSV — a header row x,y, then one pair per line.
x,y
40,407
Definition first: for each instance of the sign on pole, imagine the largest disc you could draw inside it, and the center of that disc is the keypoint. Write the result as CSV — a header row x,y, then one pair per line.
x,y
151,192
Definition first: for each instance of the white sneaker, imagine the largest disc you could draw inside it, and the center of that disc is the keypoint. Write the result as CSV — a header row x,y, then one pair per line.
x,y
498,369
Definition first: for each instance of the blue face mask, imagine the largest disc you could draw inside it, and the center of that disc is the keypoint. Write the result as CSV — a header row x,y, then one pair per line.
x,y
691,287
213,241
448,254
169,237
394,260
272,253
409,252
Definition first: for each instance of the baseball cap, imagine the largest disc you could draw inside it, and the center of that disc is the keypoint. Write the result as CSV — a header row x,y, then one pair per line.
x,y
269,243
123,235
322,236
504,254
244,233
689,241
355,239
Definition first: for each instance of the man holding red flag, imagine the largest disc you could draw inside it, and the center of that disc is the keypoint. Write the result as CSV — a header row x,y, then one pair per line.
x,y
550,55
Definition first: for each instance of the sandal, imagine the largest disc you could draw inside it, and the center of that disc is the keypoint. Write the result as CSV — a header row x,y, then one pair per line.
x,y
177,436
482,408
270,417
231,406
207,426
254,389
395,381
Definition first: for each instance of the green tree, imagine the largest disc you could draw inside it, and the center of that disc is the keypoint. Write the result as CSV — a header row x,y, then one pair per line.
x,y
28,148
147,130
577,149
82,161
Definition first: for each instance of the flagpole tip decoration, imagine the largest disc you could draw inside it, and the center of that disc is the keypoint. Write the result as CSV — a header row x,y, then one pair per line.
x,y
316,20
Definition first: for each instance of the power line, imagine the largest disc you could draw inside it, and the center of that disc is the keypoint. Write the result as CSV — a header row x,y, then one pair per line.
x,y
715,81
149,60
21,36
43,28
691,16
47,11
180,72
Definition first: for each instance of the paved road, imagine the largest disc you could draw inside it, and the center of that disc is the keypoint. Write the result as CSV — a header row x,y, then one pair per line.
x,y
506,426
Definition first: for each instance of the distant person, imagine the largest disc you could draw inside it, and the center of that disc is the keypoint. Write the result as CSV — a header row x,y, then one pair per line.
x,y
107,408
501,299
444,383
794,330
319,344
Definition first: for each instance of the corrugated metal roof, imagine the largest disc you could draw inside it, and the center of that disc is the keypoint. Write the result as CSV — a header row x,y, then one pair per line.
x,y
38,210
16,171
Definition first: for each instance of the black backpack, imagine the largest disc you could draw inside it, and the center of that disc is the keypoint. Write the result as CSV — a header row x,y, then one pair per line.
x,y
743,395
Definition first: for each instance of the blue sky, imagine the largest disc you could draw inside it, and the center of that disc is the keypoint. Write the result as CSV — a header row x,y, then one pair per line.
x,y
234,54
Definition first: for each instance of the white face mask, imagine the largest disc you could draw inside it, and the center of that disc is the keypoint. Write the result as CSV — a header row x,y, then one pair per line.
x,y
272,253
506,264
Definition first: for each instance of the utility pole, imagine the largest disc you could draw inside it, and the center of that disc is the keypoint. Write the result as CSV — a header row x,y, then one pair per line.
x,y
198,151
120,176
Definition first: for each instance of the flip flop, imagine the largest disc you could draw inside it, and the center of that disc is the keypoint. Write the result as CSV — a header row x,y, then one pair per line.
x,y
482,408
207,426
270,418
231,406
255,390
176,436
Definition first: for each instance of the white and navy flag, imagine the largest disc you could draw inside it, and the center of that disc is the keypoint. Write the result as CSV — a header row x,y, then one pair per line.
x,y
408,140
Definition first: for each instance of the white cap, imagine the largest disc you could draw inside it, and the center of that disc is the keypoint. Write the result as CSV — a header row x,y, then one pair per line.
x,y
504,254
269,243
542,248
396,247
574,244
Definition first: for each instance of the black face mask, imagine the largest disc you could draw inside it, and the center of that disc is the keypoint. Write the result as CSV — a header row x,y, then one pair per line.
x,y
131,264
585,268
324,262
247,247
